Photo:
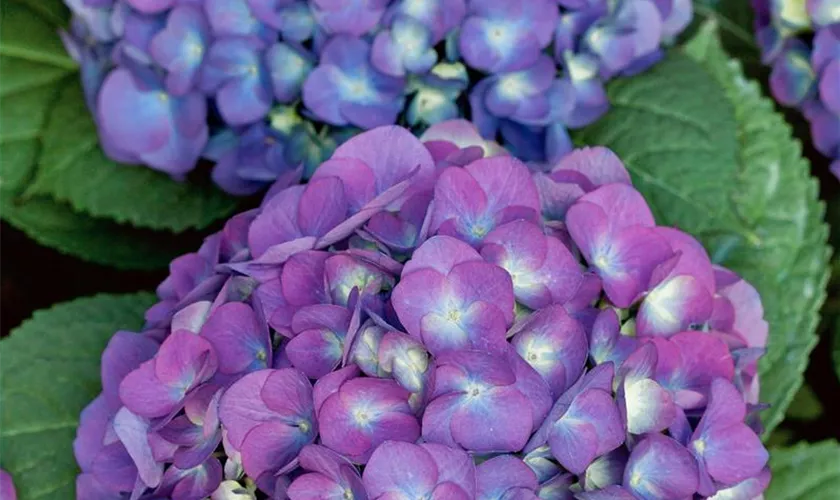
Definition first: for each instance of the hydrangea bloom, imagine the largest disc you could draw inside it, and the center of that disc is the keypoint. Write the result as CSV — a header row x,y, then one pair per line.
x,y
7,487
424,320
801,41
263,87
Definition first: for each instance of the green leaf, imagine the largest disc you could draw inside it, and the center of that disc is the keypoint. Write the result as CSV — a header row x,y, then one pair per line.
x,y
785,254
803,471
736,30
52,144
675,131
50,372
57,226
73,168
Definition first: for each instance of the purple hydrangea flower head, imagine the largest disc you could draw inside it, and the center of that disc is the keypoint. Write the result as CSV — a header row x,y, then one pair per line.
x,y
310,74
801,42
431,318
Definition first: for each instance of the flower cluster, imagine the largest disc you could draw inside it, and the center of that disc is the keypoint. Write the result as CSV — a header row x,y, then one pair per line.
x,y
263,87
801,40
431,319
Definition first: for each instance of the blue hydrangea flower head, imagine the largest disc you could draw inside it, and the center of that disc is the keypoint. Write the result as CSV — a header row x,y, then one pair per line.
x,y
525,72
800,40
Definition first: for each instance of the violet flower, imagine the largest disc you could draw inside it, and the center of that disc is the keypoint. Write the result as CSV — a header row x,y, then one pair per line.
x,y
400,470
802,45
309,74
429,318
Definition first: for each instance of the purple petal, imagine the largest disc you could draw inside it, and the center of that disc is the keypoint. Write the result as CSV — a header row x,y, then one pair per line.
x,y
397,467
543,270
133,432
322,206
440,253
673,306
660,467
624,260
509,410
288,393
315,352
302,278
501,474
90,435
315,487
364,413
330,384
272,445
196,482
403,154
454,466
241,407
184,361
234,332
650,407
554,344
598,164
142,391
592,423
125,352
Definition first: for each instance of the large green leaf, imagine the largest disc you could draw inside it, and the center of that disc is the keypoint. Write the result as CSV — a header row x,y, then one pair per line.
x,y
57,226
675,130
776,201
51,142
805,471
49,373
